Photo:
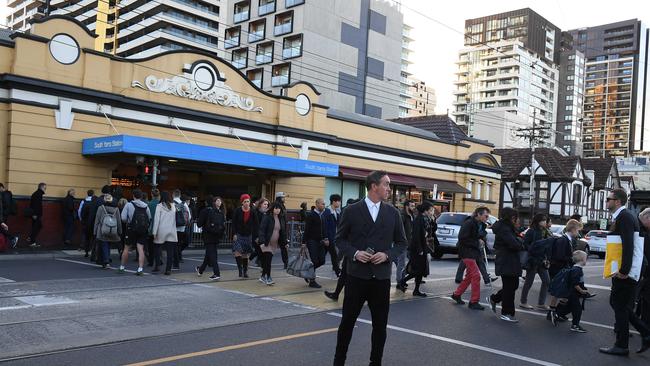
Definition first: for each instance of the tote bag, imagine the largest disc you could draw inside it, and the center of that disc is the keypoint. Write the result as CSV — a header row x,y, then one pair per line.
x,y
301,266
614,255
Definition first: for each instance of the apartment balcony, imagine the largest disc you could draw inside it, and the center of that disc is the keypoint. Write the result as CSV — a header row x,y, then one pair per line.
x,y
289,3
266,8
264,58
231,42
291,52
257,83
406,104
255,36
241,16
280,80
281,29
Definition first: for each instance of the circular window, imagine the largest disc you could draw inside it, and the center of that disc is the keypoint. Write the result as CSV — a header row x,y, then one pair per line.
x,y
204,77
64,49
303,104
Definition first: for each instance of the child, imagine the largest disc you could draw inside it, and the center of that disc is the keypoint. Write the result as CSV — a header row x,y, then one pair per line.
x,y
561,256
574,278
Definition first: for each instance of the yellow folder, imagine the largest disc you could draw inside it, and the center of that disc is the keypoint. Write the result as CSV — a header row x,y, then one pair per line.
x,y
614,255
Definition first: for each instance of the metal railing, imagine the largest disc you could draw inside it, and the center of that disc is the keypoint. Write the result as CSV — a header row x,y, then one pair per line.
x,y
294,229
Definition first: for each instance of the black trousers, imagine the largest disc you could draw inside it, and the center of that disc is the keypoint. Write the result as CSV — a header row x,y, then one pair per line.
x,y
172,252
506,296
331,249
572,306
266,259
157,254
178,253
37,225
357,292
284,251
68,228
481,266
210,258
317,253
257,252
150,251
342,278
622,301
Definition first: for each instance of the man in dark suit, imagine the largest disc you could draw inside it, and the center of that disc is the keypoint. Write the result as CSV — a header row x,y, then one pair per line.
x,y
314,238
370,235
623,287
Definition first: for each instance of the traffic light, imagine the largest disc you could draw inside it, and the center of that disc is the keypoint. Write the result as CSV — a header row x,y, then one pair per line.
x,y
148,169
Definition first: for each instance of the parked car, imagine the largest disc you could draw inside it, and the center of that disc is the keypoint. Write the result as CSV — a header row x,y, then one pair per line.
x,y
448,227
597,240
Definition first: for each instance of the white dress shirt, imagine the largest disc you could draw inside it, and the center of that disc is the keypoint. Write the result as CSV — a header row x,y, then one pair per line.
x,y
617,212
373,208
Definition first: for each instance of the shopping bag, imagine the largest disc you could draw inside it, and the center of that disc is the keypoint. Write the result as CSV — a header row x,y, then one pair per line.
x,y
301,266
614,255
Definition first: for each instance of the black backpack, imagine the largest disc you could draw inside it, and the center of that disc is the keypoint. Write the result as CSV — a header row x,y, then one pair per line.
x,y
540,250
140,221
87,211
213,225
180,214
560,286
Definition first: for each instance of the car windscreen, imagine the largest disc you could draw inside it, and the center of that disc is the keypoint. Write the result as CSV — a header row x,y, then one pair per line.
x,y
597,234
451,219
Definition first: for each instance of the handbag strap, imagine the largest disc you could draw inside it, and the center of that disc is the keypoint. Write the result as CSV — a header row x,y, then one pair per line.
x,y
304,252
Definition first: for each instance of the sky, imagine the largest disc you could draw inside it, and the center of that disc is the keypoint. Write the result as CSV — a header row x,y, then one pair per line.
x,y
438,29
436,45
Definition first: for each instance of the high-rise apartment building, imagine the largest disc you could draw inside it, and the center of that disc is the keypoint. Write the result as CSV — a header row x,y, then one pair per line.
x,y
350,50
617,94
568,134
421,99
508,65
504,76
22,11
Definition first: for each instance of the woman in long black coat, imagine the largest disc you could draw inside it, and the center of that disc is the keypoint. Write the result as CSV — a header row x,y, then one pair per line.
x,y
418,266
507,263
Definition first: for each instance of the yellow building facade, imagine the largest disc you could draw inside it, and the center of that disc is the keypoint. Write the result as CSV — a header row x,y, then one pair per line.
x,y
73,117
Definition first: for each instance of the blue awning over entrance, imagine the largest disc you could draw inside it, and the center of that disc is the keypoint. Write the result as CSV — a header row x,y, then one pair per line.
x,y
180,150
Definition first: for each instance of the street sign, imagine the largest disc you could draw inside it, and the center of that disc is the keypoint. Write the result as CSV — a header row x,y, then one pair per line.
x,y
603,224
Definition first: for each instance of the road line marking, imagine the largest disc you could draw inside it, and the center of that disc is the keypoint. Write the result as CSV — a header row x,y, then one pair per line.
x,y
5,280
233,347
16,307
544,315
460,343
95,265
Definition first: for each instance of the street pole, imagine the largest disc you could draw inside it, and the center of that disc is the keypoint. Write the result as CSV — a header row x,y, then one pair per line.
x,y
531,200
154,174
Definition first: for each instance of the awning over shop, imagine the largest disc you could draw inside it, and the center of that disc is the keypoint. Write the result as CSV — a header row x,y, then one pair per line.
x,y
179,150
407,180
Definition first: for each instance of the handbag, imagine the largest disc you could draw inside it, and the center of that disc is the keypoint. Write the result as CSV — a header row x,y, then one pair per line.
x,y
301,266
614,256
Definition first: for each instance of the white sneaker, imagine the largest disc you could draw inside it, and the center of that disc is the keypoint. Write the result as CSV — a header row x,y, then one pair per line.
x,y
508,318
269,281
263,279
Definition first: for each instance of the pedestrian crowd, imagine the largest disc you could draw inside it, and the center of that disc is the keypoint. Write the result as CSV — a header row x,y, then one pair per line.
x,y
364,239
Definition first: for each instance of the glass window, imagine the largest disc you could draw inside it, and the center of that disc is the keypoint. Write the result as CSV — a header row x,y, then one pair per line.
x,y
283,23
240,58
470,188
289,3
256,30
266,7
256,76
281,74
242,11
264,53
292,47
232,37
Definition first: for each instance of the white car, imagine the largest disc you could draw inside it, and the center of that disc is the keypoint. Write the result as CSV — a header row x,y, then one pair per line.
x,y
448,227
597,240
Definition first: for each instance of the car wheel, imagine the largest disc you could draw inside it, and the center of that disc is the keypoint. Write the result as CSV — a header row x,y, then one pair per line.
x,y
587,250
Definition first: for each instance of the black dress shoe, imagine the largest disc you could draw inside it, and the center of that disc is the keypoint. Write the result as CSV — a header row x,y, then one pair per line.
x,y
645,345
401,287
615,351
332,295
419,294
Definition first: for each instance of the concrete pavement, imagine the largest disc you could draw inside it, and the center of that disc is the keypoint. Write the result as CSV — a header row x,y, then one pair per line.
x,y
60,311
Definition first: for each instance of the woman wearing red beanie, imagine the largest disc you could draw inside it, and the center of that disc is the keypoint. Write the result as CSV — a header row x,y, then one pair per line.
x,y
244,224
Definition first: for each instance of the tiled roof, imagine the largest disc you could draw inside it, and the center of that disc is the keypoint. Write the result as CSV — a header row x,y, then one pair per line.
x,y
557,166
440,124
601,167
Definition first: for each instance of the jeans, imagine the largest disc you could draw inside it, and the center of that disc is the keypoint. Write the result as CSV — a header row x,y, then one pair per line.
x,y
210,258
68,228
357,292
400,263
573,306
506,296
622,301
530,277
481,267
472,277
170,246
266,260
37,225
106,252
